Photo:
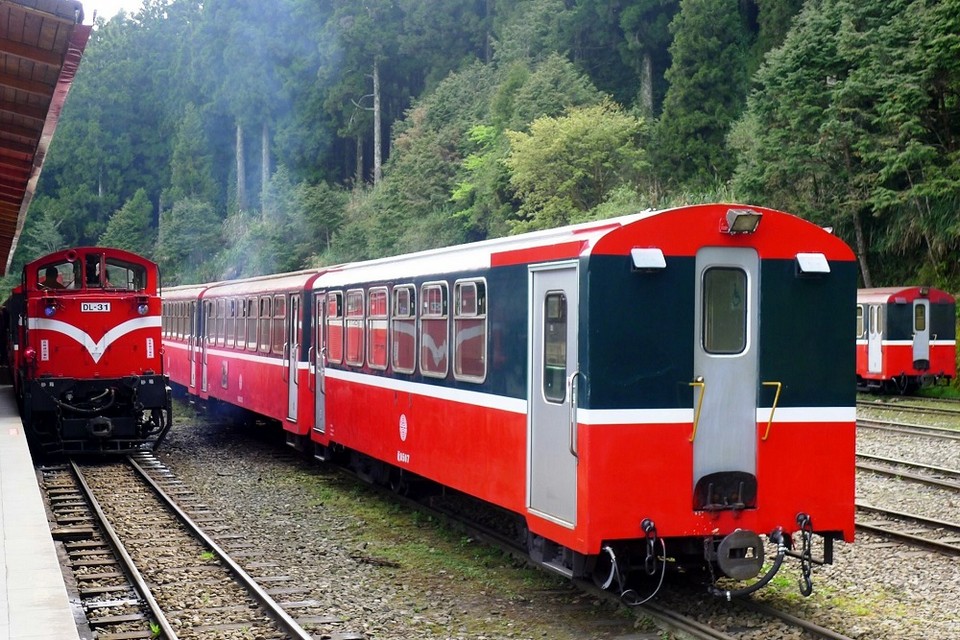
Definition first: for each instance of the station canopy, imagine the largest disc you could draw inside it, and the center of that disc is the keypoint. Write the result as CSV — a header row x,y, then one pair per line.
x,y
41,43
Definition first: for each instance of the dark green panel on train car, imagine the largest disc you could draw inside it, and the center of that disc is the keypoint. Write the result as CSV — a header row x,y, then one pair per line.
x,y
943,321
899,325
639,325
807,335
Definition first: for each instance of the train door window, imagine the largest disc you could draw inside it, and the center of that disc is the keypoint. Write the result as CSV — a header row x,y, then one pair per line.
x,y
189,329
860,326
164,319
555,346
879,320
470,330
920,318
433,329
335,327
377,328
231,322
210,322
265,324
279,324
403,334
178,320
355,327
724,311
221,322
253,323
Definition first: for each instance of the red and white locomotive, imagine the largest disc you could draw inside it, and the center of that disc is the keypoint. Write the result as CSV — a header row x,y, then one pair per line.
x,y
906,338
83,342
669,384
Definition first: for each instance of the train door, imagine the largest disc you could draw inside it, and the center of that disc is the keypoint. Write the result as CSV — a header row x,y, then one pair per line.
x,y
552,444
293,356
724,433
204,340
875,339
192,343
318,361
921,333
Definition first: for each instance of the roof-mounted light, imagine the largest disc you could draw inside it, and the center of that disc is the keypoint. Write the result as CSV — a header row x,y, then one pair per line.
x,y
741,221
647,258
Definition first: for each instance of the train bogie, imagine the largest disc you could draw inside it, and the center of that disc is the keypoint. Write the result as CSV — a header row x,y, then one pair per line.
x,y
676,377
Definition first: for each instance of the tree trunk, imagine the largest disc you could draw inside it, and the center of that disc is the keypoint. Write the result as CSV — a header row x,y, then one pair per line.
x,y
646,85
241,171
358,169
861,250
264,159
377,142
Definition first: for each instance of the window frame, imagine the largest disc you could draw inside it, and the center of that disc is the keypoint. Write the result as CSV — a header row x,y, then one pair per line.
x,y
406,320
470,318
378,321
434,316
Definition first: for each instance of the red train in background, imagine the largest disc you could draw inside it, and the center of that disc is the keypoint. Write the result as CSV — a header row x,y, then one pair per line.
x,y
670,385
83,344
906,338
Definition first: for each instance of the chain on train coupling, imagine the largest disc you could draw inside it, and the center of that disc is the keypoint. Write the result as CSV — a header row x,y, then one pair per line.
x,y
650,535
806,553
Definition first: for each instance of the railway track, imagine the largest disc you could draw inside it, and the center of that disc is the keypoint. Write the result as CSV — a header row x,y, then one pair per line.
x,y
143,566
915,471
927,408
914,530
909,429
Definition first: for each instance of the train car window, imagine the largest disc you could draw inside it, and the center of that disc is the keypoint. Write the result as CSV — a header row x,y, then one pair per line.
x,y
403,329
354,354
377,328
860,327
335,327
555,346
470,330
210,326
279,325
178,320
252,324
920,318
231,322
265,324
881,312
241,324
221,322
433,329
724,310
54,276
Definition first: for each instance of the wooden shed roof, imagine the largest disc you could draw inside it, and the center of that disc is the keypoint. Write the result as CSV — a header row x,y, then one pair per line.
x,y
41,42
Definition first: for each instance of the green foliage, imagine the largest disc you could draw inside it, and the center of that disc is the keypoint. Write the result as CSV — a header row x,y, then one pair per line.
x,y
707,87
569,165
189,236
130,228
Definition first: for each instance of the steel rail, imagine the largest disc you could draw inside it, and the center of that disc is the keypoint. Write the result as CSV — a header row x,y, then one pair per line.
x,y
907,475
909,428
282,618
936,545
129,565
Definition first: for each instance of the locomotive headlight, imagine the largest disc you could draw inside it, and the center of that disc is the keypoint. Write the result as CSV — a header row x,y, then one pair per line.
x,y
49,309
142,309
30,355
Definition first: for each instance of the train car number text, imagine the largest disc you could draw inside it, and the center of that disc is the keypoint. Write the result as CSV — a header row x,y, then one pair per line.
x,y
94,307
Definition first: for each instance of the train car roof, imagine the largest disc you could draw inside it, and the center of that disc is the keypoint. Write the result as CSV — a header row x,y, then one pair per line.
x,y
41,43
676,231
259,284
903,295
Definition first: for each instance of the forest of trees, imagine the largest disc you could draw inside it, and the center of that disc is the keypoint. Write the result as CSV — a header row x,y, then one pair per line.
x,y
230,138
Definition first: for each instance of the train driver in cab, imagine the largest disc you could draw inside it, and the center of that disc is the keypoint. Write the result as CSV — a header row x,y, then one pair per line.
x,y
51,279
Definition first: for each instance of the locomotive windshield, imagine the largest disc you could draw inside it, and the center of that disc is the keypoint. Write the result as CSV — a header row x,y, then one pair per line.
x,y
92,271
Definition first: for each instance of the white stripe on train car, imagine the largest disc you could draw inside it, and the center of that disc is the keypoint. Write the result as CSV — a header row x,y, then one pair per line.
x,y
96,349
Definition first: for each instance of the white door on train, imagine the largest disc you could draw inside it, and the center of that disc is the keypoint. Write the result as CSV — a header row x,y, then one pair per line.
x,y
875,339
293,356
726,370
552,444
204,340
318,360
921,333
192,344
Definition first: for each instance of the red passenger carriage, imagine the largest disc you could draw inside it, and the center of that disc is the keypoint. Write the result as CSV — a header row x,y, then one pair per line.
x,y
906,338
676,376
83,341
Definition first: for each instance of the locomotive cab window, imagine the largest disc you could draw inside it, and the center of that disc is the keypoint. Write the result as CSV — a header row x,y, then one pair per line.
x,y
724,311
555,346
470,331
